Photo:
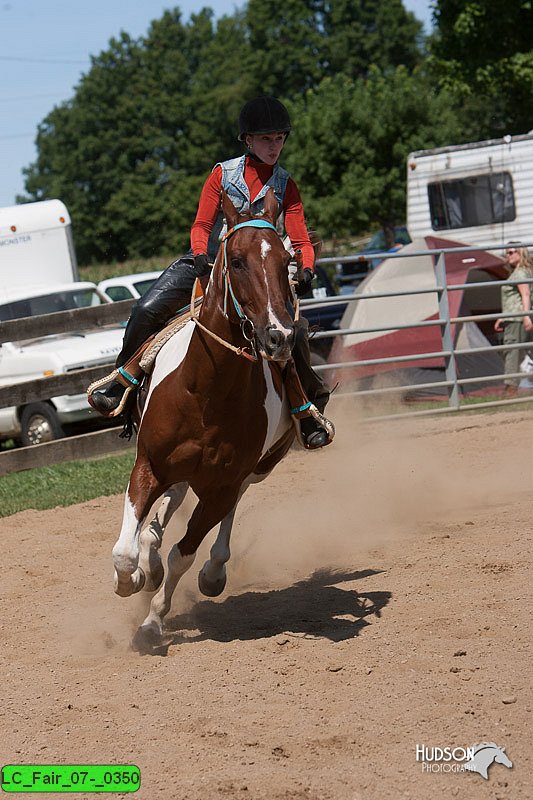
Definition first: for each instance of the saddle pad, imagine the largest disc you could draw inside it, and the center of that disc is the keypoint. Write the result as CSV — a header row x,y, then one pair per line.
x,y
176,324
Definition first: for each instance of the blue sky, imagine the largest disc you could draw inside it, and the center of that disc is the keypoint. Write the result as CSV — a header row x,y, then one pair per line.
x,y
45,46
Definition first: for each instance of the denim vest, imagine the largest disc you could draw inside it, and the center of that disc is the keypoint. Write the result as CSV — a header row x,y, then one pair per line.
x,y
235,187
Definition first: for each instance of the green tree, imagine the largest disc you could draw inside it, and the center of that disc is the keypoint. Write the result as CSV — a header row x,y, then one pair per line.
x,y
130,152
349,148
483,52
370,32
296,43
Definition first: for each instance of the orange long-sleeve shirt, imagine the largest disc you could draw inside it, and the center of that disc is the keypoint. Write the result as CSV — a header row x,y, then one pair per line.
x,y
256,174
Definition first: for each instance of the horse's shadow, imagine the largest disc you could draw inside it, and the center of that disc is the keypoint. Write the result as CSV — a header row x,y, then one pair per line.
x,y
313,607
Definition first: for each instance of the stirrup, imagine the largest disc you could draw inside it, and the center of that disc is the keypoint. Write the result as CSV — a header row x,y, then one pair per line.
x,y
116,375
323,421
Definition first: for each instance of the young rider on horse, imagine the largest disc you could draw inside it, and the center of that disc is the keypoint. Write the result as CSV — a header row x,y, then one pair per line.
x,y
264,125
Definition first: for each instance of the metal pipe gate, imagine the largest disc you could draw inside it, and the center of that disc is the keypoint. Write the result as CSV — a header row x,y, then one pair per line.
x,y
452,383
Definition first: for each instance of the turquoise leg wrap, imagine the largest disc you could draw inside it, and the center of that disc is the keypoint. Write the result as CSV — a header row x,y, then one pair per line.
x,y
128,377
300,408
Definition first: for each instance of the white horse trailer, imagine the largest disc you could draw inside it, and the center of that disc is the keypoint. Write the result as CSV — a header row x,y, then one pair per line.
x,y
36,246
479,193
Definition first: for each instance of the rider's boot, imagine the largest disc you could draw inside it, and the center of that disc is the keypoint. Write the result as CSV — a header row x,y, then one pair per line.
x,y
108,399
314,433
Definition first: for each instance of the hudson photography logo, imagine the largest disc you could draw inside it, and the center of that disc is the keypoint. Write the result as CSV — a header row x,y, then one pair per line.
x,y
477,758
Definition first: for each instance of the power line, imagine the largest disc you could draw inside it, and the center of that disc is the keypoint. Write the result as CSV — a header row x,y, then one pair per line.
x,y
42,60
17,136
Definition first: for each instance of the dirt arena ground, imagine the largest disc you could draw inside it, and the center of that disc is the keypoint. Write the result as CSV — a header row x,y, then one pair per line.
x,y
378,599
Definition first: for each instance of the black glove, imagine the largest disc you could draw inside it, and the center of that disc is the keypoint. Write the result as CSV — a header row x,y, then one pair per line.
x,y
201,265
304,284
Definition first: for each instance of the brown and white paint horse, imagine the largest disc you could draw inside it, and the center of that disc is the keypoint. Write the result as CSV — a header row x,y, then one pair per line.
x,y
216,419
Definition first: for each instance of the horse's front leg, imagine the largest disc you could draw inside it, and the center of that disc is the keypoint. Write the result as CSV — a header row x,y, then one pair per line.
x,y
143,490
210,510
152,536
212,576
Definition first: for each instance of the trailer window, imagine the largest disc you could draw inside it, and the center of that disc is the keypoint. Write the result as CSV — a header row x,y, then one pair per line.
x,y
470,202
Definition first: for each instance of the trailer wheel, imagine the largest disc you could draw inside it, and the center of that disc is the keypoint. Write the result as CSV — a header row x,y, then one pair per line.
x,y
39,423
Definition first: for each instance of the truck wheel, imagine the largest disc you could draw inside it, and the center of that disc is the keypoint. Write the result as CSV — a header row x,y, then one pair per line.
x,y
39,423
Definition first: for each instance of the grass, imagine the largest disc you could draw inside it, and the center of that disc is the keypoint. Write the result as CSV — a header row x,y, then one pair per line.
x,y
64,484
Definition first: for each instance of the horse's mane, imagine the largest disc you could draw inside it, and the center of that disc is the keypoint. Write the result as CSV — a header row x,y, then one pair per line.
x,y
484,745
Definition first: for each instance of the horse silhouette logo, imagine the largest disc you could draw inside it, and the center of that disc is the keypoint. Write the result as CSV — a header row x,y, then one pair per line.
x,y
485,754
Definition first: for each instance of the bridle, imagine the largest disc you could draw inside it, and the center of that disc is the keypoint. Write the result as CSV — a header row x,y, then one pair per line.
x,y
246,324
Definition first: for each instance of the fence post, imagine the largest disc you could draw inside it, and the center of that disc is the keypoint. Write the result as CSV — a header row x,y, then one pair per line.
x,y
446,332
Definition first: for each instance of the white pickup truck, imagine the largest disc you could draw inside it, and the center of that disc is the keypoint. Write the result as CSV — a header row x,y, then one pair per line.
x,y
39,275
44,421
128,287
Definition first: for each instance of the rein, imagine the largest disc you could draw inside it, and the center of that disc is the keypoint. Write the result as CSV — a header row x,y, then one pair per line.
x,y
228,290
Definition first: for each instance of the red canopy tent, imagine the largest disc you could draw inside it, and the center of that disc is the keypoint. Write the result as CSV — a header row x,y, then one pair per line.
x,y
408,274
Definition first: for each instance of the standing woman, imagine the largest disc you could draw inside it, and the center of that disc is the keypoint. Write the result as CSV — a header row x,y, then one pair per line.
x,y
515,298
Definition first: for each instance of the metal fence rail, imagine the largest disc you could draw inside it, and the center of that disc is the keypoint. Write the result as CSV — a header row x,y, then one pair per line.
x,y
86,445
452,383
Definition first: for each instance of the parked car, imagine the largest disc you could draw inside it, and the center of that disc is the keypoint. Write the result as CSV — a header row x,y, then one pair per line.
x,y
128,287
351,273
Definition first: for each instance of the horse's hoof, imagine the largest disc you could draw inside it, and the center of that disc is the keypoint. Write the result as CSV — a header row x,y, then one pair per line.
x,y
211,588
133,583
147,639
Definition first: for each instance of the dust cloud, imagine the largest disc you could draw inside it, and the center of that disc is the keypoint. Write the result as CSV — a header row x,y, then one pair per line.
x,y
339,506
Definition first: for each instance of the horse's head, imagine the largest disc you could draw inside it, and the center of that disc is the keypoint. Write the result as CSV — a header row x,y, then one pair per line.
x,y
485,753
254,269
502,758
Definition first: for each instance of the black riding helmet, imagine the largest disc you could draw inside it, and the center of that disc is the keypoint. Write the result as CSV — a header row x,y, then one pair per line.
x,y
263,115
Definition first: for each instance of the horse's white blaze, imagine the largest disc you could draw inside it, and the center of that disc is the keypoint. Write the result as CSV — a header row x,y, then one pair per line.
x,y
277,410
272,317
275,321
171,356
